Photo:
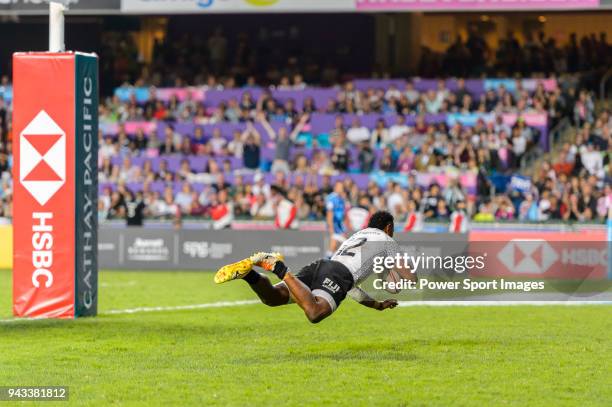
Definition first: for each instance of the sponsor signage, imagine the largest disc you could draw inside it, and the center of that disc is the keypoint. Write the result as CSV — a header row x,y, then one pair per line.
x,y
297,6
74,6
469,5
205,250
543,255
55,223
235,6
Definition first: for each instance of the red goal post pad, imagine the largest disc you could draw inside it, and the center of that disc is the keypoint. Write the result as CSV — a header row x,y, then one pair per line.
x,y
55,144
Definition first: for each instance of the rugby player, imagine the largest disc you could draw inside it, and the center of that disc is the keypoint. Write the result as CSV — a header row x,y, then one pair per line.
x,y
320,287
336,207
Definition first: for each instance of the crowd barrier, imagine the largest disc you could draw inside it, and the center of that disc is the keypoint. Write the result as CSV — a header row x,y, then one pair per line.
x,y
163,249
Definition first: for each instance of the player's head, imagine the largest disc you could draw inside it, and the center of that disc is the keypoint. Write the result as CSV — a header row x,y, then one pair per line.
x,y
382,220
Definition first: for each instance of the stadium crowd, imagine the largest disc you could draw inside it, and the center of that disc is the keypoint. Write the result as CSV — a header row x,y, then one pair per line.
x,y
536,54
248,58
574,187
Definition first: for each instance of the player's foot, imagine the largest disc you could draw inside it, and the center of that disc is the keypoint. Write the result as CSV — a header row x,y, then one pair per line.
x,y
266,260
234,271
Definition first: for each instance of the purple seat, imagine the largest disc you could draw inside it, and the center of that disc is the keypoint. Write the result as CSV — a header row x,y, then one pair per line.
x,y
158,186
324,122
267,153
212,98
474,86
365,84
109,129
307,152
165,94
134,186
104,185
197,163
235,163
155,163
424,180
246,178
319,95
174,162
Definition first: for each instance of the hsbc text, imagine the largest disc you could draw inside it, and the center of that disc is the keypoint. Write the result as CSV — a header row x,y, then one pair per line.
x,y
42,245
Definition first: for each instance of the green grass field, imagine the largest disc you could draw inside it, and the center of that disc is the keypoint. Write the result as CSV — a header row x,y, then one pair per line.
x,y
253,355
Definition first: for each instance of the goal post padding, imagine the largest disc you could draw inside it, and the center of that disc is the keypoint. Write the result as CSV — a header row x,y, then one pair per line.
x,y
55,142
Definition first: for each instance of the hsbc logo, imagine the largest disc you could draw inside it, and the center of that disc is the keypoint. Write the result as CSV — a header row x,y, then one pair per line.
x,y
42,160
528,256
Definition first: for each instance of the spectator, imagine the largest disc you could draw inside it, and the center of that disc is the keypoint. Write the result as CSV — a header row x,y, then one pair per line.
x,y
251,148
184,199
366,158
135,209
283,142
358,133
217,142
340,155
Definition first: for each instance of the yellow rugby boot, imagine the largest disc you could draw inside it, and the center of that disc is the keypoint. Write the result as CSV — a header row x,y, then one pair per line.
x,y
234,271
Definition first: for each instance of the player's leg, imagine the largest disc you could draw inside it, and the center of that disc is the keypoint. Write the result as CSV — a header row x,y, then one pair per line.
x,y
290,287
272,295
318,288
315,308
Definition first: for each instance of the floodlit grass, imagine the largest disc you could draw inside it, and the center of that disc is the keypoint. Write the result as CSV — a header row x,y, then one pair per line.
x,y
255,355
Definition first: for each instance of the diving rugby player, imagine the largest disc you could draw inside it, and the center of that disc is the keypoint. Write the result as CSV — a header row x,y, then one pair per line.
x,y
320,287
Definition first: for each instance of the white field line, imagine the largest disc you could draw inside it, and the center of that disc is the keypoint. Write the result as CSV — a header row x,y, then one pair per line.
x,y
223,304
496,303
220,304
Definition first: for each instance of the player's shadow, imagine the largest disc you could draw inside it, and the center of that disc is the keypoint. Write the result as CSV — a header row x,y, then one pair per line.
x,y
399,351
406,351
363,355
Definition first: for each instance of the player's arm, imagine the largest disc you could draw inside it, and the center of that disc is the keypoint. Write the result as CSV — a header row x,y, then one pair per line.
x,y
406,274
364,299
315,308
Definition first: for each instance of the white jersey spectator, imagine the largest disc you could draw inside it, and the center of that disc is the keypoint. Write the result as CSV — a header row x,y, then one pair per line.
x,y
357,218
414,222
458,222
398,130
358,133
286,212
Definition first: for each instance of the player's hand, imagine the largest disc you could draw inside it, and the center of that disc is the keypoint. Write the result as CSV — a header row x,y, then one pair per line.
x,y
387,304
